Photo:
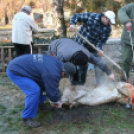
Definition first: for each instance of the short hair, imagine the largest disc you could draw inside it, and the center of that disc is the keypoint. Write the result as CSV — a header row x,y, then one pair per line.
x,y
27,9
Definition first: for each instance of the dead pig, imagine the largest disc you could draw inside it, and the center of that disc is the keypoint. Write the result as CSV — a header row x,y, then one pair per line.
x,y
89,95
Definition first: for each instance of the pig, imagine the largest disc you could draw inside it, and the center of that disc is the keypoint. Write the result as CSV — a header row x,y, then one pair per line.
x,y
91,95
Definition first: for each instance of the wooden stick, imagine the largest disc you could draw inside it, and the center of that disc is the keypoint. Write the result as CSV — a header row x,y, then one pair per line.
x,y
99,50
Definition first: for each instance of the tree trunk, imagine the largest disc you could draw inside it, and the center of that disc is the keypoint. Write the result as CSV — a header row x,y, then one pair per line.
x,y
61,27
6,19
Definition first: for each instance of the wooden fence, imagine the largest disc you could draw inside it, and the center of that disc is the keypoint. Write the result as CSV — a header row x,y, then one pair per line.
x,y
10,55
114,42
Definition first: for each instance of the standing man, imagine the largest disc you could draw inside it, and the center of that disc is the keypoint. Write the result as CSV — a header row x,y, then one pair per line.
x,y
23,27
31,73
67,50
96,27
126,16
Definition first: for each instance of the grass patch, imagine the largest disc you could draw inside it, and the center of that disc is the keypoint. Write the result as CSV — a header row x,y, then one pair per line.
x,y
104,119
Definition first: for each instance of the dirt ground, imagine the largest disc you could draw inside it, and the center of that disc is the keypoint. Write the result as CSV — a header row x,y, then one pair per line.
x,y
110,118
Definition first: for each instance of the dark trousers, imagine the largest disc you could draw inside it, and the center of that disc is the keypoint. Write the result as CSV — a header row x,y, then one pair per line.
x,y
32,91
127,58
21,49
80,76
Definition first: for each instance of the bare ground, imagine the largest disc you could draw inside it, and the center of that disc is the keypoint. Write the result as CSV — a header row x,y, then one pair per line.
x,y
110,118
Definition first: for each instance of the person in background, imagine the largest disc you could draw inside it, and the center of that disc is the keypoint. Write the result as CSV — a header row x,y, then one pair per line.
x,y
96,27
31,73
23,27
126,16
68,50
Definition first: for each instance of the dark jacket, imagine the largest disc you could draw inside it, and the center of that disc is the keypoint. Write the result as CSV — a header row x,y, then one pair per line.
x,y
44,70
92,29
125,14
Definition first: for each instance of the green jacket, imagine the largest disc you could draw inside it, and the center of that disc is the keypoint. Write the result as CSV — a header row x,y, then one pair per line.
x,y
125,14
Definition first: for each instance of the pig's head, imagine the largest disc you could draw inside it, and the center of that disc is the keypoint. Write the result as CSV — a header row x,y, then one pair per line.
x,y
126,91
124,88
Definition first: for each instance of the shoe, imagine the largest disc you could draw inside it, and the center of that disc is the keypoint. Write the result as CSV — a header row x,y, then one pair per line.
x,y
31,123
132,68
122,77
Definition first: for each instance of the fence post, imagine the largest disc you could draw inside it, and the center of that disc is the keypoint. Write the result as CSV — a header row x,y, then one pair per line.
x,y
9,54
2,60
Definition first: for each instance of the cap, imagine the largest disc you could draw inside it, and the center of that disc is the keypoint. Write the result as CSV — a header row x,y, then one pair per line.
x,y
111,16
80,58
69,68
27,9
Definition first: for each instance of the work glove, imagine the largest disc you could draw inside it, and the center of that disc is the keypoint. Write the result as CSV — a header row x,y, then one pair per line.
x,y
72,28
128,26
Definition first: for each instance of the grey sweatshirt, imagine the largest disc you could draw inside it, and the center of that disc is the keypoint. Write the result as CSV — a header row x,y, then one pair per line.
x,y
65,48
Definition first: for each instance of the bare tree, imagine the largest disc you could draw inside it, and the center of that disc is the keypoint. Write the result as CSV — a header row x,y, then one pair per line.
x,y
58,7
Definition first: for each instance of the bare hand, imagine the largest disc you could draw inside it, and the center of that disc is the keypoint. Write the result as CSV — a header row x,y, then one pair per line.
x,y
111,76
72,28
128,26
59,105
100,53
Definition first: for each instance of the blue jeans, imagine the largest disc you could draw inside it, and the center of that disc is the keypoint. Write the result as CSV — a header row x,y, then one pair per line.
x,y
32,91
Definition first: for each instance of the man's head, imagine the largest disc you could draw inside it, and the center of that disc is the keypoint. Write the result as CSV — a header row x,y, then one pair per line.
x,y
27,9
69,69
79,58
108,18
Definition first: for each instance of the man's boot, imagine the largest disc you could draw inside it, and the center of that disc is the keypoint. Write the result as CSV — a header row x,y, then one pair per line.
x,y
31,123
123,76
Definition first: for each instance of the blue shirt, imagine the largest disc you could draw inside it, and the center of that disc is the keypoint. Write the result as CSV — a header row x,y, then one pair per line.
x,y
44,70
92,29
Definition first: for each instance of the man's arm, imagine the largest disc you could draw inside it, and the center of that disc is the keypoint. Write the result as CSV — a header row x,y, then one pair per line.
x,y
104,37
99,63
51,83
123,15
78,17
124,12
33,24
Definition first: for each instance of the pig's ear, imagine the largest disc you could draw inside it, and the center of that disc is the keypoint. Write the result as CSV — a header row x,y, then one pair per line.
x,y
121,84
122,88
